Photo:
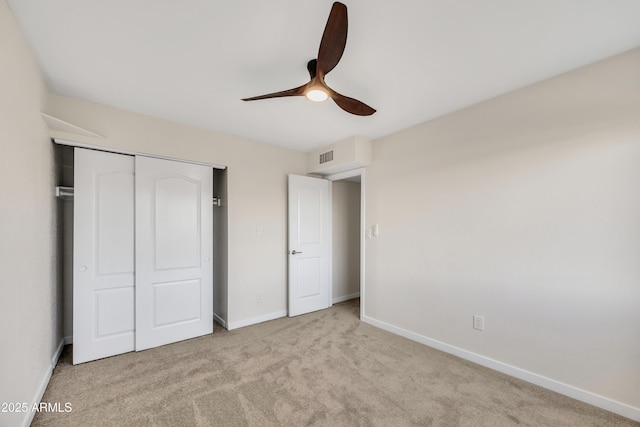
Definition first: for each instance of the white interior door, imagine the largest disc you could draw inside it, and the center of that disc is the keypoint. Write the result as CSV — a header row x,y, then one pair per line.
x,y
103,255
309,245
174,248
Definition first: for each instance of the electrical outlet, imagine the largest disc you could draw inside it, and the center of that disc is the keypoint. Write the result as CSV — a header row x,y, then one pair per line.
x,y
259,231
259,298
478,322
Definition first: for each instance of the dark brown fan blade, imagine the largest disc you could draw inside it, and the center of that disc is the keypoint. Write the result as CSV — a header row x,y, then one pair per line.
x,y
351,105
334,38
290,92
311,67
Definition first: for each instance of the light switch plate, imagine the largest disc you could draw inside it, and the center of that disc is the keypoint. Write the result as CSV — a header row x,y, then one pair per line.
x,y
478,322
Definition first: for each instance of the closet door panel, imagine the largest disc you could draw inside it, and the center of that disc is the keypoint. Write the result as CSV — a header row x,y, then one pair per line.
x,y
174,246
177,302
103,256
114,217
177,225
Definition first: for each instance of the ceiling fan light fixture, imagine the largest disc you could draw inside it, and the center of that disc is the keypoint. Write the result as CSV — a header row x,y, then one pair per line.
x,y
316,95
332,44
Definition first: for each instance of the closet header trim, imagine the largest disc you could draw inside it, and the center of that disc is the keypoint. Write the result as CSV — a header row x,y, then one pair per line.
x,y
131,153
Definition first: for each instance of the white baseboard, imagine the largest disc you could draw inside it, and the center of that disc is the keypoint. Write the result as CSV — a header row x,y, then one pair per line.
x,y
542,381
346,297
26,422
257,319
220,320
68,340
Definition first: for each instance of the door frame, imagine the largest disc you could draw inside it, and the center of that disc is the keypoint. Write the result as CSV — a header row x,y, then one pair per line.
x,y
337,177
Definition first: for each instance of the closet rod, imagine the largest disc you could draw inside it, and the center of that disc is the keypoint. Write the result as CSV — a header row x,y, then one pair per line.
x,y
64,192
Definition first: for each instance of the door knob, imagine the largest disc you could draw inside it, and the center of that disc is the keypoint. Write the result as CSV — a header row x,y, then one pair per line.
x,y
293,252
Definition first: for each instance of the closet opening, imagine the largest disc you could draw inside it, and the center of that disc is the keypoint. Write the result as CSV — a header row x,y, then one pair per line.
x,y
64,179
65,171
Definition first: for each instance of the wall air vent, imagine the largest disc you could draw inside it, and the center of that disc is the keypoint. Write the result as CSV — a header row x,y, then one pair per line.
x,y
326,157
350,153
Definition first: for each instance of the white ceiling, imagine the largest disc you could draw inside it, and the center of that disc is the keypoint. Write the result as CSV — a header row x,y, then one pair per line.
x,y
191,61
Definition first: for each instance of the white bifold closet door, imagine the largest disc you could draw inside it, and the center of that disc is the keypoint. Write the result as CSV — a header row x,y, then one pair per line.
x,y
142,253
174,248
103,255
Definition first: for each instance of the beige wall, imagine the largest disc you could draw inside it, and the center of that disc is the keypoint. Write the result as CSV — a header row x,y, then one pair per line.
x,y
524,209
346,239
256,186
30,325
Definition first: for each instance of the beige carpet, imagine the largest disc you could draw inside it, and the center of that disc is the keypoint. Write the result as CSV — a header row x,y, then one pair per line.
x,y
324,369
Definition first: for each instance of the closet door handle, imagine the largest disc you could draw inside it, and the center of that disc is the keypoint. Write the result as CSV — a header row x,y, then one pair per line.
x,y
294,252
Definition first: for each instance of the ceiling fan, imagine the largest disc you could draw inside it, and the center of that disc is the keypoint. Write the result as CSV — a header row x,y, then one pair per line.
x,y
334,40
